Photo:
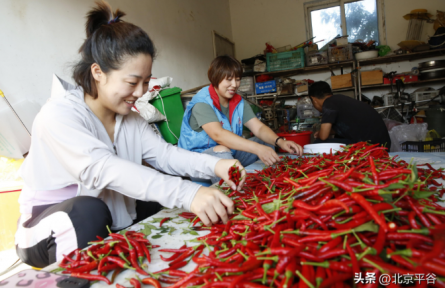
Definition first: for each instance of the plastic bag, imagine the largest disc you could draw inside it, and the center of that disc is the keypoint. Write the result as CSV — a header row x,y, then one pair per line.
x,y
391,123
408,132
149,112
159,83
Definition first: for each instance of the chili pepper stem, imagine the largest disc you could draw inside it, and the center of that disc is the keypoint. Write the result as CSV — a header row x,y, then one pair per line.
x,y
367,251
219,277
324,264
274,258
389,210
363,245
427,210
373,264
242,254
416,231
304,279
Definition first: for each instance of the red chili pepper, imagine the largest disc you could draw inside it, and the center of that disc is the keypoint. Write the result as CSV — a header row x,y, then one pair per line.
x,y
164,220
183,256
373,170
133,258
151,281
135,283
87,268
365,205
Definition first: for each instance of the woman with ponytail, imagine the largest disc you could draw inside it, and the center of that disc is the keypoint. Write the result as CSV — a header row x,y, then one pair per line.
x,y
84,170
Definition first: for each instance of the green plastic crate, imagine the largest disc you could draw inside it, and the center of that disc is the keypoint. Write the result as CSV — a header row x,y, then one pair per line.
x,y
170,99
285,60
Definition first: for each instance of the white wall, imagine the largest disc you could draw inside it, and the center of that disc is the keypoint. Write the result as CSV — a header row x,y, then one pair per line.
x,y
39,38
397,26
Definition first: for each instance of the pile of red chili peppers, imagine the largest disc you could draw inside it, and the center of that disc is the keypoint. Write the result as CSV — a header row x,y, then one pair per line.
x,y
321,221
111,255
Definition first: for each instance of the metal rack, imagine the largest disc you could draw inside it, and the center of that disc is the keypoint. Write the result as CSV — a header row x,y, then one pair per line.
x,y
293,72
396,58
357,88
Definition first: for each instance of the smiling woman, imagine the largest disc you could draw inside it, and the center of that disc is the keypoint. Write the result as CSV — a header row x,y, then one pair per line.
x,y
84,171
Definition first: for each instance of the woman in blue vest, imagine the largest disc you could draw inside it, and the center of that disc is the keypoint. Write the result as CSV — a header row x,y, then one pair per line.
x,y
213,121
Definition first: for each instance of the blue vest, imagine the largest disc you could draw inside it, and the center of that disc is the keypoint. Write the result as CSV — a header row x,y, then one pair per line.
x,y
200,141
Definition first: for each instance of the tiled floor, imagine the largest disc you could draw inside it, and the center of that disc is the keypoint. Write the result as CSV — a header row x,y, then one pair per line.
x,y
7,258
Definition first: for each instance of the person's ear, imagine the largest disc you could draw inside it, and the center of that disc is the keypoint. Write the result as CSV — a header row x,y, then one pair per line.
x,y
96,72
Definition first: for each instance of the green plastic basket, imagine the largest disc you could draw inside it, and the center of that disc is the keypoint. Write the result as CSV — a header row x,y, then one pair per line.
x,y
285,60
170,99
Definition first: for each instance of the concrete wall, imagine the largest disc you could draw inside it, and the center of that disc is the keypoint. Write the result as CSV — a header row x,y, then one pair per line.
x,y
397,26
282,22
39,38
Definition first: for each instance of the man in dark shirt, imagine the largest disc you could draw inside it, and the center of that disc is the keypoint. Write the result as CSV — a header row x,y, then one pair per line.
x,y
350,120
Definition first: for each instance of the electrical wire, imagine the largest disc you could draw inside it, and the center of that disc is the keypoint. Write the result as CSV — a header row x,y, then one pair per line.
x,y
16,264
165,114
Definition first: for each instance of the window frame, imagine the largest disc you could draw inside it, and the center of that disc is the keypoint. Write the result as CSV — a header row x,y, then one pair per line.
x,y
223,38
323,4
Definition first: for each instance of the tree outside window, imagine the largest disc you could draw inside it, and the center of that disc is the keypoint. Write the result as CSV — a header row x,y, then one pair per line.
x,y
360,18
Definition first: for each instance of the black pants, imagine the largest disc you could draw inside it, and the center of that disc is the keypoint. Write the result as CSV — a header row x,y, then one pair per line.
x,y
57,229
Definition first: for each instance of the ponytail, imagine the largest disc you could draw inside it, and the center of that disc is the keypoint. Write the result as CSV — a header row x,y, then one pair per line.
x,y
109,41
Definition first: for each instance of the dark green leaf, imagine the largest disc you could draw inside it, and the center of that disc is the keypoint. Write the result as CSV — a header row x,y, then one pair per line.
x,y
149,226
157,236
241,217
423,194
146,231
387,198
172,229
395,186
369,226
193,233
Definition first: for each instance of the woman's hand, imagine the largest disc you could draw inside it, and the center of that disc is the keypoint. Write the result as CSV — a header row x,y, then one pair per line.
x,y
267,155
291,147
210,205
222,171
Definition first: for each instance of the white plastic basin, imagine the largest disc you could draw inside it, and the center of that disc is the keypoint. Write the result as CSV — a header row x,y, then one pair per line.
x,y
323,148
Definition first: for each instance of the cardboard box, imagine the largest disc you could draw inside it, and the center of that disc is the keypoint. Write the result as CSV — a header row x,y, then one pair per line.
x,y
372,77
302,88
341,81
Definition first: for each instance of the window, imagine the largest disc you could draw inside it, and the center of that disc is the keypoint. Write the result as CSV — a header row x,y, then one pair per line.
x,y
222,45
359,19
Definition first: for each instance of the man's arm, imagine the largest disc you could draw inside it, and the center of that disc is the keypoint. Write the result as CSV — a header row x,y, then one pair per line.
x,y
325,131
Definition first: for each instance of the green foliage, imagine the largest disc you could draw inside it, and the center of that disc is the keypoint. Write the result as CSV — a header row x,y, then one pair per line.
x,y
360,23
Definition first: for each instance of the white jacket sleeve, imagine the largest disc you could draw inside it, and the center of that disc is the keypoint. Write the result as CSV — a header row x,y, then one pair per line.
x,y
95,165
174,160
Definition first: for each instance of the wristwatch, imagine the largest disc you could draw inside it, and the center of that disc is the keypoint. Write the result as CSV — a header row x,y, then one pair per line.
x,y
276,141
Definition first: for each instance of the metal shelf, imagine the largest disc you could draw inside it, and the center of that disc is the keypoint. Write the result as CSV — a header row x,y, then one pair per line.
x,y
406,83
397,58
271,95
307,69
401,57
298,71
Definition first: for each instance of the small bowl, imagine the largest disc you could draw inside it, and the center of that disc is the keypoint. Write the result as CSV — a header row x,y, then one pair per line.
x,y
367,55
